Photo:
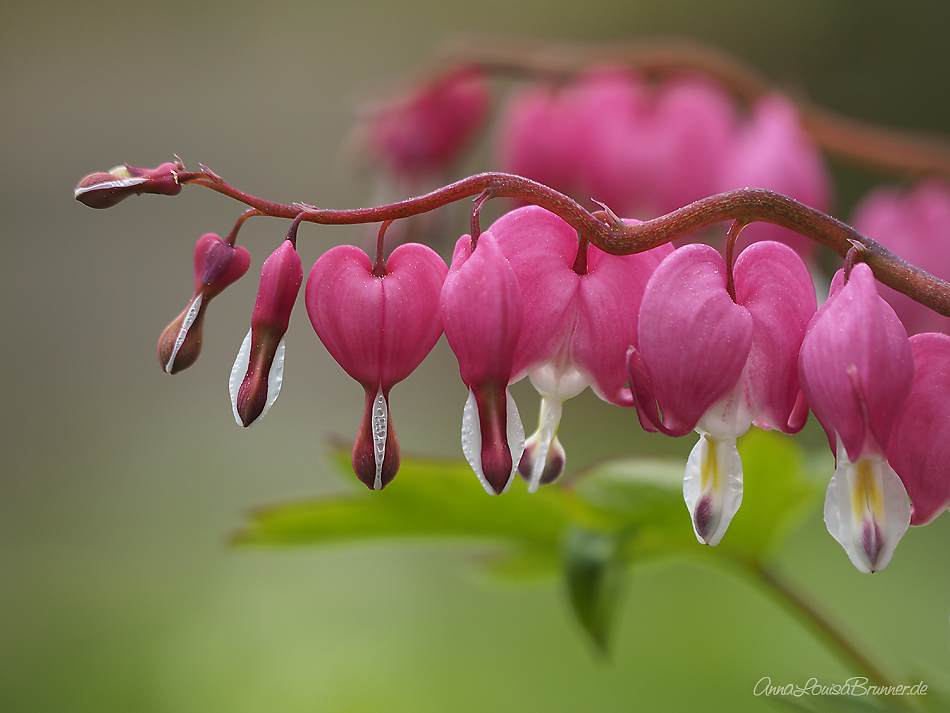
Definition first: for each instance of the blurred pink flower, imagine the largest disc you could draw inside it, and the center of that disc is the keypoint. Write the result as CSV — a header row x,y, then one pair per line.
x,y
915,225
772,151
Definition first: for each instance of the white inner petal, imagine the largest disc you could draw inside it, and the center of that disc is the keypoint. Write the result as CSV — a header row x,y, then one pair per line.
x,y
866,510
182,335
712,487
275,377
547,430
472,439
380,429
238,372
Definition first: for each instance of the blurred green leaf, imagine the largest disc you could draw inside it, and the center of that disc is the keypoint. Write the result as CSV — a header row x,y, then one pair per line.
x,y
776,495
429,498
594,570
593,525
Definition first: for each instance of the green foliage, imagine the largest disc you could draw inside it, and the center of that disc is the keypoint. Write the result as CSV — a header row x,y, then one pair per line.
x,y
592,526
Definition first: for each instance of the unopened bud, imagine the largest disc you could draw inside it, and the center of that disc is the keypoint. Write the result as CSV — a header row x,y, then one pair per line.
x,y
258,370
106,188
217,265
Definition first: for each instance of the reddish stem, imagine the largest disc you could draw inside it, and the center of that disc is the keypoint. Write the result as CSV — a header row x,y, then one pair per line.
x,y
618,238
379,266
731,239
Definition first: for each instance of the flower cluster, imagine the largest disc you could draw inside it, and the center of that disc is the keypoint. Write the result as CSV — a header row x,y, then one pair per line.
x,y
693,340
647,148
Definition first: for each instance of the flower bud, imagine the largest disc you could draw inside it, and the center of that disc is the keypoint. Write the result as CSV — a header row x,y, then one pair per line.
x,y
105,189
258,370
217,265
482,313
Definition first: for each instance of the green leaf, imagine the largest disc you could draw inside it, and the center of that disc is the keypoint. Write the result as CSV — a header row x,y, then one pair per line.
x,y
776,496
429,498
594,570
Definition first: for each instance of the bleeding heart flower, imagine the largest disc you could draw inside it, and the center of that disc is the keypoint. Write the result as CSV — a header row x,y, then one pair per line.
x,y
920,443
708,362
258,370
217,265
482,313
580,315
856,368
379,329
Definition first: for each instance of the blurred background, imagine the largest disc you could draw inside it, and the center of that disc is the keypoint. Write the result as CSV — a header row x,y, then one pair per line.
x,y
119,486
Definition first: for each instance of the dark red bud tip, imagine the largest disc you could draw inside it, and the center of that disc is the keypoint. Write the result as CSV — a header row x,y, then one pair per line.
x,y
180,343
376,450
252,396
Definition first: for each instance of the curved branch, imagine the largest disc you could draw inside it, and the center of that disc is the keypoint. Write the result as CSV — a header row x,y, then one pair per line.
x,y
612,235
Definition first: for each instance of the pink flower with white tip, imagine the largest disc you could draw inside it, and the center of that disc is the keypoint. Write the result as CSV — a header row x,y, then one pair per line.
x,y
920,443
580,315
856,368
717,364
258,370
482,314
379,328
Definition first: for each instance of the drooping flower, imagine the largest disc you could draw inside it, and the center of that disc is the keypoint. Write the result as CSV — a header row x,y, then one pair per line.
x,y
105,189
580,315
856,368
217,265
482,314
920,443
915,225
379,329
710,362
424,131
258,370
771,150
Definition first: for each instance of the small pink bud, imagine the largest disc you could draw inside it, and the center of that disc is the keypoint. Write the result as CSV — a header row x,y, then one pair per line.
x,y
105,189
217,265
258,370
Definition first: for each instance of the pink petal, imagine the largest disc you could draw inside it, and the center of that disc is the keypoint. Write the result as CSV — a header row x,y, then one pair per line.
x,y
693,340
773,283
856,365
920,443
378,329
